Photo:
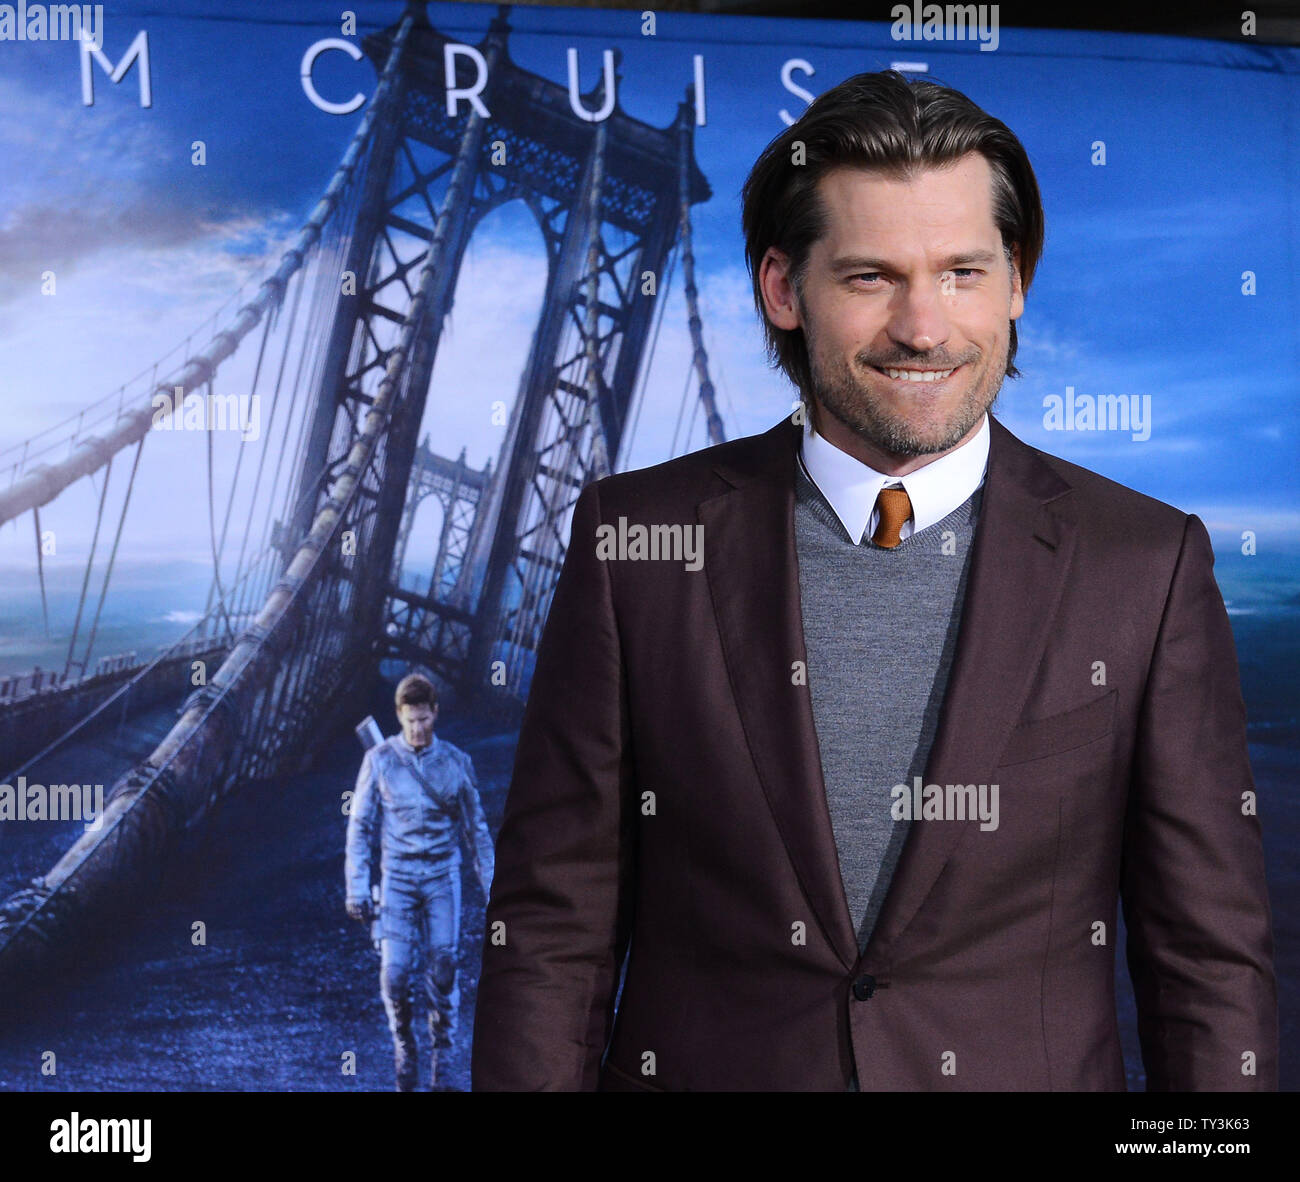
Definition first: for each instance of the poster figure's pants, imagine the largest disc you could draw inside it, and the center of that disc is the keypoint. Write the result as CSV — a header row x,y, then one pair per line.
x,y
419,920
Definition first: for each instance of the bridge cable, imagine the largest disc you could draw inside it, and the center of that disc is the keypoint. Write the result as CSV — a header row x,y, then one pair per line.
x,y
234,480
681,410
275,397
212,532
241,603
40,569
716,432
690,424
251,588
112,557
639,399
313,333
90,562
293,403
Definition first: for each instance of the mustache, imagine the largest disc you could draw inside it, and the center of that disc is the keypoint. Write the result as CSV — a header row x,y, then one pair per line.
x,y
934,361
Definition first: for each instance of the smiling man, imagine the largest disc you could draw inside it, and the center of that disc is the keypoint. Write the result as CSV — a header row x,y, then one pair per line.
x,y
906,353
854,805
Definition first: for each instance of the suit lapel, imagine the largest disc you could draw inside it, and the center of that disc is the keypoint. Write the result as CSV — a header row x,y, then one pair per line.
x,y
750,559
1023,543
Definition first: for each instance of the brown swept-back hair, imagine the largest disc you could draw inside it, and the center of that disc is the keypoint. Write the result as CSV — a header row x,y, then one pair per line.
x,y
415,690
895,125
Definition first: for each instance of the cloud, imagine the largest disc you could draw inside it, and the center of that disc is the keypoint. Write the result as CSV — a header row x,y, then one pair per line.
x,y
39,238
81,182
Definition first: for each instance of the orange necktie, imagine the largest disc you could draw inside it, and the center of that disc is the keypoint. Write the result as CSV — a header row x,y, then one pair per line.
x,y
895,508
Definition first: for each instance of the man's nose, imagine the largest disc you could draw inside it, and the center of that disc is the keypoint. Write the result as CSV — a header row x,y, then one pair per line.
x,y
919,316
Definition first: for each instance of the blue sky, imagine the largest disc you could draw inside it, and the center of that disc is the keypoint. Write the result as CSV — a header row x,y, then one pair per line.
x,y
1138,291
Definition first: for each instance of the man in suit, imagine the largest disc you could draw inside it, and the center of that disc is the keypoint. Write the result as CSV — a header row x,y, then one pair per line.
x,y
850,804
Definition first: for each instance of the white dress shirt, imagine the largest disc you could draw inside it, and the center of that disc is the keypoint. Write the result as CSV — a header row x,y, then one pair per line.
x,y
935,490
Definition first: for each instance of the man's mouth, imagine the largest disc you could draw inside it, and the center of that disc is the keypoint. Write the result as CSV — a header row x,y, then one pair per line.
x,y
915,374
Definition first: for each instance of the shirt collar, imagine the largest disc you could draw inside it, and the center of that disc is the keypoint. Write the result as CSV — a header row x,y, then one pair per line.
x,y
433,745
935,490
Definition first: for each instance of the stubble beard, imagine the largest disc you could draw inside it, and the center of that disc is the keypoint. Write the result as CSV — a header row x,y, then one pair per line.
x,y
841,393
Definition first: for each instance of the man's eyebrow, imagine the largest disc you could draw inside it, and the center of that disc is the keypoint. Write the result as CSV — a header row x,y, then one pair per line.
x,y
848,263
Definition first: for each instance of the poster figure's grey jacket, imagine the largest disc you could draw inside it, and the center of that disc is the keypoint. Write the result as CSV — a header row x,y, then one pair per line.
x,y
418,819
418,831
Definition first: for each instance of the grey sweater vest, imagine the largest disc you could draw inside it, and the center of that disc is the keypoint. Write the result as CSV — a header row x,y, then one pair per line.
x,y
880,627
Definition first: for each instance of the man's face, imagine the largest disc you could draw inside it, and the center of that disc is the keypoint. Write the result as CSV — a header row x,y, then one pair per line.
x,y
417,723
909,276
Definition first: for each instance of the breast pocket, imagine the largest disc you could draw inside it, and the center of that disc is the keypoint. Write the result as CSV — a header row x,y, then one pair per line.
x,y
1058,733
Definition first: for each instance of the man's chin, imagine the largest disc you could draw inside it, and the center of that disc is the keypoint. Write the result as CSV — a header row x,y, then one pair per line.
x,y
903,443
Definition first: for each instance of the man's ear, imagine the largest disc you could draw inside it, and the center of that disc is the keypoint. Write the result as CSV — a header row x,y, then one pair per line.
x,y
779,300
1017,291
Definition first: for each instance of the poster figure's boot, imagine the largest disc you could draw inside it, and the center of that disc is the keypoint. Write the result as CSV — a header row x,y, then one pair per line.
x,y
406,1052
440,1040
406,1063
394,980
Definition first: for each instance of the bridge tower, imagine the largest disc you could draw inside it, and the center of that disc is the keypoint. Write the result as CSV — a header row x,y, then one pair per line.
x,y
588,175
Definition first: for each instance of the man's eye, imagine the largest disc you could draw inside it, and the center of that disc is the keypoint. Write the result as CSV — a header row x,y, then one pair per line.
x,y
868,275
964,271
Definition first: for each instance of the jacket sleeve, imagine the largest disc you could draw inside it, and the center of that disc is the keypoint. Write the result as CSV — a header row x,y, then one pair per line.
x,y
558,919
1200,947
363,826
474,828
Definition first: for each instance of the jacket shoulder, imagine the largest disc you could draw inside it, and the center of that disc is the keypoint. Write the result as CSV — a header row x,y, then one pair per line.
x,y
383,754
1123,516
1112,508
458,754
689,478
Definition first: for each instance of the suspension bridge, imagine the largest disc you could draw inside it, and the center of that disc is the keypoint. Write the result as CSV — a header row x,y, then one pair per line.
x,y
321,575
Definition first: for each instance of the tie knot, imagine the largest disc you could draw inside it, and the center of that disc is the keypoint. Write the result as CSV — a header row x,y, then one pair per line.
x,y
895,508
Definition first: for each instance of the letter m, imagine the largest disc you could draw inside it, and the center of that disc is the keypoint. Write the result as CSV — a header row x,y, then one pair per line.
x,y
65,802
65,22
962,17
1112,411
115,1133
138,49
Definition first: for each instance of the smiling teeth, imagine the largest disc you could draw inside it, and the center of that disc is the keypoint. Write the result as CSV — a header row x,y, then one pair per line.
x,y
919,375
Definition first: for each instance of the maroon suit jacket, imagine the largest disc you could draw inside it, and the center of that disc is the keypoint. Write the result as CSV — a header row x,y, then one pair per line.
x,y
667,792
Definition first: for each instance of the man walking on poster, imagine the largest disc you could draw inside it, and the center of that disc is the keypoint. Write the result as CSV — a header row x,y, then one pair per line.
x,y
416,793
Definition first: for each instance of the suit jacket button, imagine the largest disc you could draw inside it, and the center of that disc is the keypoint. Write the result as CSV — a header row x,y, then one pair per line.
x,y
864,987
